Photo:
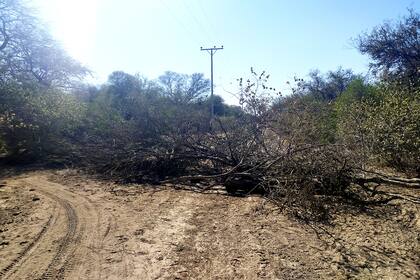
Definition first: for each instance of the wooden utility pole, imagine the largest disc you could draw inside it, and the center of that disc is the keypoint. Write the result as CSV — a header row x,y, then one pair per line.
x,y
211,51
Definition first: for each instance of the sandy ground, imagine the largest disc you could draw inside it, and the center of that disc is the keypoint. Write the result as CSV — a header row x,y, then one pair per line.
x,y
63,225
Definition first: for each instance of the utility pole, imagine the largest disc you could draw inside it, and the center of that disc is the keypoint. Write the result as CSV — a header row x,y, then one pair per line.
x,y
211,51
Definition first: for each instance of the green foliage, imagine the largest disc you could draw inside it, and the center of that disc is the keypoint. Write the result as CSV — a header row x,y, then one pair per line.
x,y
384,122
220,108
350,110
131,122
357,90
35,123
309,119
393,126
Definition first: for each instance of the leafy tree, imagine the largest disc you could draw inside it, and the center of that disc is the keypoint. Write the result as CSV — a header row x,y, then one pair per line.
x,y
38,123
351,111
36,116
233,111
394,48
129,94
313,102
220,108
382,122
392,126
356,91
122,84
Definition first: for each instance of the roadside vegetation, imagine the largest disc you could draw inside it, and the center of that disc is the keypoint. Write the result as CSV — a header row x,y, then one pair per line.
x,y
325,145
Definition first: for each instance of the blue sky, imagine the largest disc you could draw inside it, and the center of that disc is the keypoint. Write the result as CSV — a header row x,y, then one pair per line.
x,y
285,38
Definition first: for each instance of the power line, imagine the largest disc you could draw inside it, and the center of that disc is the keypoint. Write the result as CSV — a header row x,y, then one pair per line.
x,y
180,23
203,29
211,51
210,24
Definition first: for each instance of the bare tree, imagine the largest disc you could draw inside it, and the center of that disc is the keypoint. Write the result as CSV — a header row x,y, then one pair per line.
x,y
28,53
326,87
183,89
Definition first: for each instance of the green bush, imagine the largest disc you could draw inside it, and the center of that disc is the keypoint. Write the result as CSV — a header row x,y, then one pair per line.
x,y
37,123
384,122
393,126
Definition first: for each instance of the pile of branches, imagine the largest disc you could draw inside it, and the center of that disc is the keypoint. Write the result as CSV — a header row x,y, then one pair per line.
x,y
250,159
272,152
240,154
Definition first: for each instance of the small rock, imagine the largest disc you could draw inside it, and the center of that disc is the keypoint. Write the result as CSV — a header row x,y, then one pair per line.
x,y
35,198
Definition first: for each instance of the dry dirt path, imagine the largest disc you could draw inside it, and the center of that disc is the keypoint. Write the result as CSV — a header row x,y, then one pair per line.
x,y
65,226
61,246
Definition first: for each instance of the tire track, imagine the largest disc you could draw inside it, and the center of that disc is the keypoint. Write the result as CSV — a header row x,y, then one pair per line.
x,y
24,252
54,269
70,244
75,257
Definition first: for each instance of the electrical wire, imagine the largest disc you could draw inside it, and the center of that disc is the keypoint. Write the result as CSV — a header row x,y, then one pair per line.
x,y
207,18
203,29
190,34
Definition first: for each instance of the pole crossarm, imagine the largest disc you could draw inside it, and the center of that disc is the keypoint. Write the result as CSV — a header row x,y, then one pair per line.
x,y
214,49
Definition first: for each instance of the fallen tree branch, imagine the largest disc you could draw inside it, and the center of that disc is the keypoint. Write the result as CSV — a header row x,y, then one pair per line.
x,y
202,177
382,180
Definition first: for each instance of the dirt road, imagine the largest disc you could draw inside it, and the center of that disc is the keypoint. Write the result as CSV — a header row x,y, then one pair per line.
x,y
65,226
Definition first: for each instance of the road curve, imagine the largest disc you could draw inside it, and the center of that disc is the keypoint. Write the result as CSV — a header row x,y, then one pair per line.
x,y
66,241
